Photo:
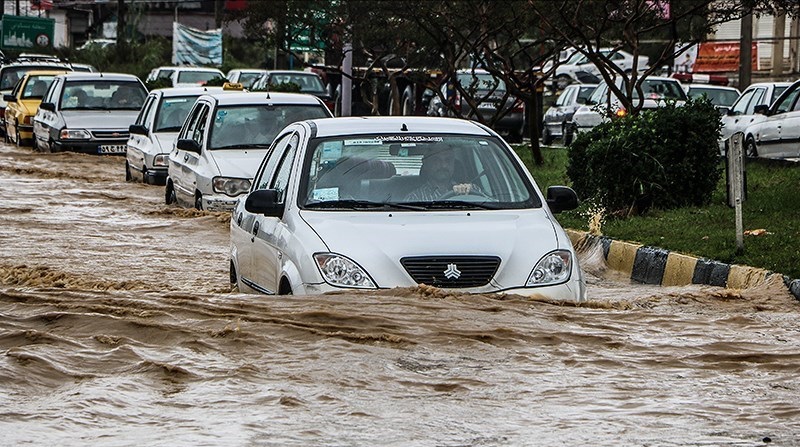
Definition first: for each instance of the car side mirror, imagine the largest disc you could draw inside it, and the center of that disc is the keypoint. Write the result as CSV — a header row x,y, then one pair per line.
x,y
731,112
9,98
561,198
49,106
138,129
761,109
264,201
189,145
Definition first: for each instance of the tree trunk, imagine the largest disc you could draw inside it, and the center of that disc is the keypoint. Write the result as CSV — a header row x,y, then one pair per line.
x,y
532,113
122,42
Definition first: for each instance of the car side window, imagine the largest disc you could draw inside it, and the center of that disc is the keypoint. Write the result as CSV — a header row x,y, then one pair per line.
x,y
51,93
758,98
148,105
741,104
564,98
788,103
273,157
284,171
187,131
598,96
199,132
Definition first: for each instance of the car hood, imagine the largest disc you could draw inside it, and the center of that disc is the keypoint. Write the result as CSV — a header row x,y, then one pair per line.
x,y
99,119
164,140
239,163
390,236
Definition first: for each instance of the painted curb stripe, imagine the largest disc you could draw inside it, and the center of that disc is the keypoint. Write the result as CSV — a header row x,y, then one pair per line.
x,y
621,256
679,270
649,265
710,272
742,277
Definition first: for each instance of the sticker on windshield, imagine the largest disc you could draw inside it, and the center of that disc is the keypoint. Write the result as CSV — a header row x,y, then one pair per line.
x,y
361,142
412,138
331,150
325,194
170,101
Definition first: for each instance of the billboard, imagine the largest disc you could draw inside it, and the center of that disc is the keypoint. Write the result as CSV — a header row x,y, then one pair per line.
x,y
26,33
192,46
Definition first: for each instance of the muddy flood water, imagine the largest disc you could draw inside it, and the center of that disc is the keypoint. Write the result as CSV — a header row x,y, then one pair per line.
x,y
118,327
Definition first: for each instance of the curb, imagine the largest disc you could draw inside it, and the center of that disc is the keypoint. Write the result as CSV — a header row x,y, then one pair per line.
x,y
653,265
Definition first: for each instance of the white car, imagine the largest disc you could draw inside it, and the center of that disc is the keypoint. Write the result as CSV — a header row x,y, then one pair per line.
x,y
223,140
603,104
777,132
155,129
742,113
577,64
558,118
384,202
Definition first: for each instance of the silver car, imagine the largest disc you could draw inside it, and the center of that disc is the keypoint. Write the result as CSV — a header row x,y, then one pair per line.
x,y
558,117
88,112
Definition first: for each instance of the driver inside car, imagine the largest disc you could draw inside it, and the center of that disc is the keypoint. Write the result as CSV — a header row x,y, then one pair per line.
x,y
440,177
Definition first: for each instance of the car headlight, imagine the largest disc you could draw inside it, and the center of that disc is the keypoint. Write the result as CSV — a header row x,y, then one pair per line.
x,y
230,186
338,270
554,268
161,160
75,134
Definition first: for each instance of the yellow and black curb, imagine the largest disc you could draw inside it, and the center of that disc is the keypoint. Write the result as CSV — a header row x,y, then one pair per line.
x,y
652,265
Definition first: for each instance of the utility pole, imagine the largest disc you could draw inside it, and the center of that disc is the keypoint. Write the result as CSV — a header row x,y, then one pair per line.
x,y
746,51
122,43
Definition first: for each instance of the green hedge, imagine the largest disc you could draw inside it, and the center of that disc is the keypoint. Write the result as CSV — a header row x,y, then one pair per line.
x,y
664,158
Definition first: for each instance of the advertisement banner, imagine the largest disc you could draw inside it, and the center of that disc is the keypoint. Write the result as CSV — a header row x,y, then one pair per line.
x,y
716,57
26,33
191,46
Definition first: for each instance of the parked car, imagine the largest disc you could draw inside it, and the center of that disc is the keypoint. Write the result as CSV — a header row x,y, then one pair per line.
x,y
11,73
224,139
88,112
383,202
245,76
742,113
722,96
776,134
558,117
491,95
308,82
194,76
602,104
23,103
578,65
155,129
83,67
161,73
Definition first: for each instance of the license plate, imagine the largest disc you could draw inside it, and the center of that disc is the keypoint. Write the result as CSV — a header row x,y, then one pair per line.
x,y
487,105
113,148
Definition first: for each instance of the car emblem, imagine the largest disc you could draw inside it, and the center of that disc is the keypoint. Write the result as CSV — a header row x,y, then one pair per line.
x,y
115,134
452,272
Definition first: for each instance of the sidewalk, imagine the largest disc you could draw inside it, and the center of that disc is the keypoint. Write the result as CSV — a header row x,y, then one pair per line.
x,y
652,265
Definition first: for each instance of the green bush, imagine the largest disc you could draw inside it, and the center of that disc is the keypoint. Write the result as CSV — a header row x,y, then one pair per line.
x,y
664,158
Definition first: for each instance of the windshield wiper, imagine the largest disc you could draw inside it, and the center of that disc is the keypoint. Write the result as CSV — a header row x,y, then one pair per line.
x,y
363,204
457,205
243,146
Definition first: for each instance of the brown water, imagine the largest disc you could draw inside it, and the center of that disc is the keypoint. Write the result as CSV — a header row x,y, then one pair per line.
x,y
118,327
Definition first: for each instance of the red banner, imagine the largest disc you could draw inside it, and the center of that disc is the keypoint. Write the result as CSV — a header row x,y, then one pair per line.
x,y
715,57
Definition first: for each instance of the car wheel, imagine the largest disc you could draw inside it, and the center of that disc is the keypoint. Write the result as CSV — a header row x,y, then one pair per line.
x,y
169,194
750,149
128,176
198,201
562,81
233,277
285,288
547,137
408,103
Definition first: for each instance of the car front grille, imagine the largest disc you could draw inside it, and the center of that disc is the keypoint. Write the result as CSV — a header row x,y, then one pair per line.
x,y
451,271
111,134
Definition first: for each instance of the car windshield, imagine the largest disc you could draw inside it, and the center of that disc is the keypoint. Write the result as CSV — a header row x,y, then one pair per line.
x,y
256,125
413,172
481,81
718,97
308,83
777,92
661,89
103,95
196,77
172,112
37,86
248,78
11,74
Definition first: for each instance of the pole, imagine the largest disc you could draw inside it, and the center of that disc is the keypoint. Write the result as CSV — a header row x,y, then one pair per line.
x,y
347,80
736,183
746,51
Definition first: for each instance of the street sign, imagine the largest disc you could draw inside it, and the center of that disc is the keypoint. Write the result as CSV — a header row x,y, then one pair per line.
x,y
26,33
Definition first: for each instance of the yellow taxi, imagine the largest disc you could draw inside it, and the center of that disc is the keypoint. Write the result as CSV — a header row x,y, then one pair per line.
x,y
23,102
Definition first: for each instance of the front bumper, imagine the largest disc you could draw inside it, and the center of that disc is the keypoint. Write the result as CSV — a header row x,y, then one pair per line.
x,y
155,176
219,202
92,146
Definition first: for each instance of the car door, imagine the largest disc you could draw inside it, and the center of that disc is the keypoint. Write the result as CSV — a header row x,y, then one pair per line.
x,y
270,233
44,121
137,144
786,123
182,163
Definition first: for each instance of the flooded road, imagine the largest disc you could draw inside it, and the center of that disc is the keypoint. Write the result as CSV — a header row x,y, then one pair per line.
x,y
118,327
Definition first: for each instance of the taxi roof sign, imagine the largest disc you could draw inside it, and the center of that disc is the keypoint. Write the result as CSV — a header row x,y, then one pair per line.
x,y
233,86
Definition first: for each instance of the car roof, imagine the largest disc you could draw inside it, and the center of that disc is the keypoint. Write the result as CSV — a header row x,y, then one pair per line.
x,y
211,69
234,98
86,76
770,84
41,63
327,127
186,91
711,87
